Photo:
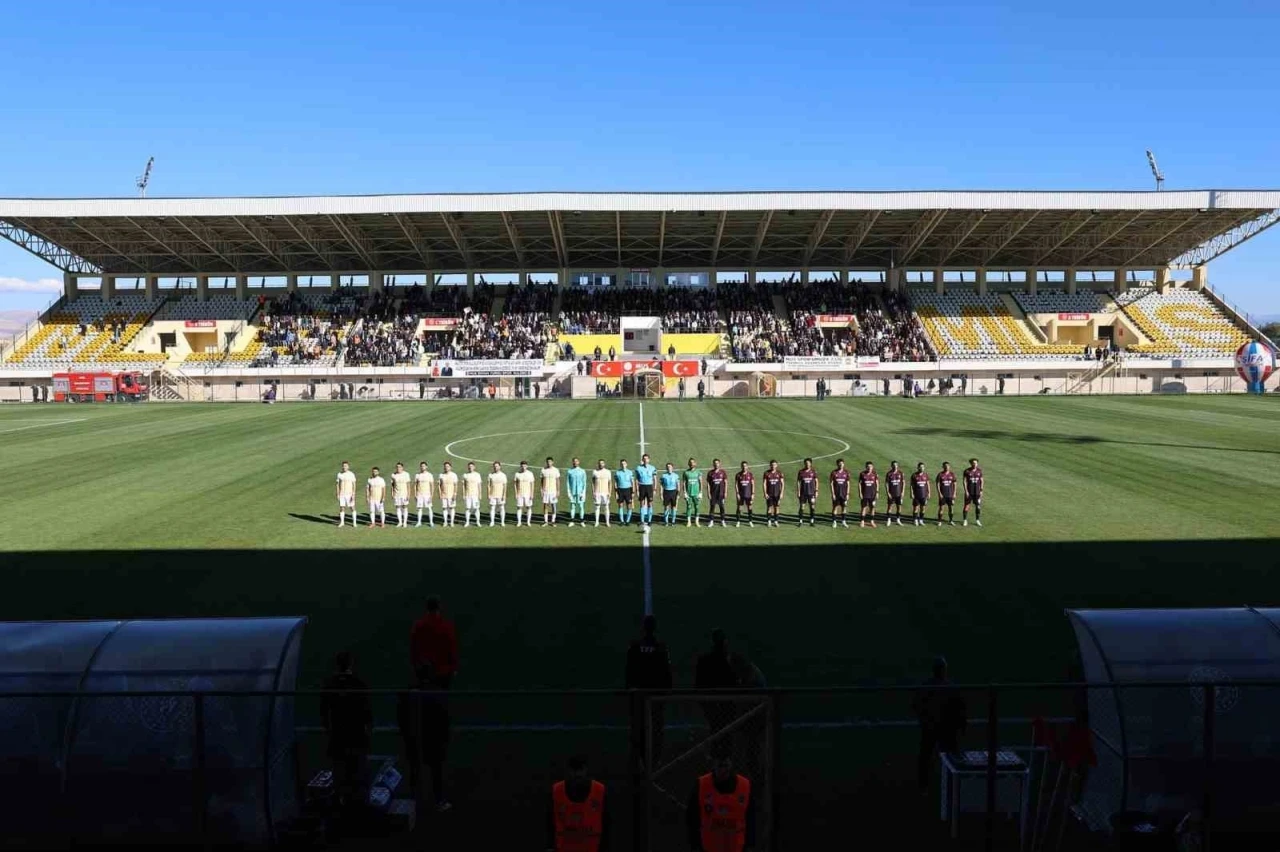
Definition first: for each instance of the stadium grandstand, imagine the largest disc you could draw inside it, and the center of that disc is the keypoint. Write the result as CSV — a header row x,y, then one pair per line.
x,y
862,286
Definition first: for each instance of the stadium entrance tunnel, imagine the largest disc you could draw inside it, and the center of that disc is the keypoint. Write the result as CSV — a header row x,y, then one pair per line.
x,y
95,756
1156,750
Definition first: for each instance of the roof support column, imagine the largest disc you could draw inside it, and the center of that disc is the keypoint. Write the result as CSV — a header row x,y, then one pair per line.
x,y
843,277
523,278
291,282
108,287
1121,283
893,278
658,279
375,282
70,287
1199,276
980,275
1069,278
751,277
471,283
242,286
1162,279
1029,276
202,287
711,279
939,283
151,284
804,277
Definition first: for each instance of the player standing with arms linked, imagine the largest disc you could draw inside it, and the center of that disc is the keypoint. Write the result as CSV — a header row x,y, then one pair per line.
x,y
600,480
894,482
692,481
670,495
645,472
947,494
400,495
523,481
972,493
550,491
921,490
868,490
807,491
471,484
624,480
718,486
839,493
745,489
424,486
344,487
775,483
448,496
375,492
497,495
576,479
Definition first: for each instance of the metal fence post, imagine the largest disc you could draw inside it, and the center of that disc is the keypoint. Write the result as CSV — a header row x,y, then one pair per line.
x,y
642,736
200,779
775,772
993,745
1206,806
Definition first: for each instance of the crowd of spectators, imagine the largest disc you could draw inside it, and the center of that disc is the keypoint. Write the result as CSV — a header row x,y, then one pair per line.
x,y
521,332
390,342
597,311
304,332
891,332
757,335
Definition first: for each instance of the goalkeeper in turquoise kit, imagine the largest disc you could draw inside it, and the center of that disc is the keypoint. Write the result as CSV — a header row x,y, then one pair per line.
x,y
692,478
576,480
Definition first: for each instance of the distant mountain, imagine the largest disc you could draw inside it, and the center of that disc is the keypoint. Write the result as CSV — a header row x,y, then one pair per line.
x,y
12,322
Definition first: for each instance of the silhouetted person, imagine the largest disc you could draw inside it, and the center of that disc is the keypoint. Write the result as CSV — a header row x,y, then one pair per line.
x,y
423,719
702,390
940,709
578,812
433,642
348,720
715,670
648,667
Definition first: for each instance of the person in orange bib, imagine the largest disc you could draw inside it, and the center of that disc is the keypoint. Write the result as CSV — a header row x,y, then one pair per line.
x,y
721,814
577,820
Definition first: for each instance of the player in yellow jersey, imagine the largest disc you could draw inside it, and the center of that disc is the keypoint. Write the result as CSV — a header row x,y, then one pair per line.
x,y
550,491
400,495
375,492
448,496
345,490
601,482
424,486
523,480
498,494
471,485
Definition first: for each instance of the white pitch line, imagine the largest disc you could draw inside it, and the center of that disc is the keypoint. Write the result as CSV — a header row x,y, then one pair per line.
x,y
644,540
39,425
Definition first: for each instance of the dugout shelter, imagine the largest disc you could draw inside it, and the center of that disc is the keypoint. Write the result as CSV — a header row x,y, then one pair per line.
x,y
1150,741
86,768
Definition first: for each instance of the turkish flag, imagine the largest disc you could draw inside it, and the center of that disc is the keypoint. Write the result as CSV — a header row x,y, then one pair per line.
x,y
678,369
618,369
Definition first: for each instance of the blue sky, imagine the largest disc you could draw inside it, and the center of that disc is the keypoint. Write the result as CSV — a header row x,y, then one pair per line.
x,y
276,98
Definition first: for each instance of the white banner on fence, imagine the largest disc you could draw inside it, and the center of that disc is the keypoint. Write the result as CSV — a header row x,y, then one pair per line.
x,y
489,368
806,363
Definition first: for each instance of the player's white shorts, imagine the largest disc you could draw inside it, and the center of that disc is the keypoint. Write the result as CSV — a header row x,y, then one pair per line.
x,y
471,503
602,499
424,502
376,507
495,502
401,502
347,501
524,502
448,502
550,497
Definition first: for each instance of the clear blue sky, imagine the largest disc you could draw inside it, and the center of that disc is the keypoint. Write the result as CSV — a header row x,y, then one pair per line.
x,y
275,98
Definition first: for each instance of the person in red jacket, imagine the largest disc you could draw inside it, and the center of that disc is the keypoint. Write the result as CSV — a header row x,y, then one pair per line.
x,y
433,643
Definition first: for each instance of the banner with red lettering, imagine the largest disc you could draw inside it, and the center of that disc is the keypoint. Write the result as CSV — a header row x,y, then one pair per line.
x,y
836,320
1073,316
439,323
200,324
619,369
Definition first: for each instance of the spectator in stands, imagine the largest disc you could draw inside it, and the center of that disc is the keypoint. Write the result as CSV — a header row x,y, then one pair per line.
x,y
347,717
571,827
940,710
433,642
423,719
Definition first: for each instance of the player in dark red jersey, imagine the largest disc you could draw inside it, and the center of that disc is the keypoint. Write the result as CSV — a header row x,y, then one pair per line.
x,y
717,488
947,493
895,482
839,492
972,493
807,490
775,486
745,489
921,489
868,491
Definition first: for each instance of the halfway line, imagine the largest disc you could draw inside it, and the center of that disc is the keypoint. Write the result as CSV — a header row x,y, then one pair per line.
x,y
644,541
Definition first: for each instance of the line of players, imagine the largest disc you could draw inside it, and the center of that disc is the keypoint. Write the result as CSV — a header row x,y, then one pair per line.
x,y
629,486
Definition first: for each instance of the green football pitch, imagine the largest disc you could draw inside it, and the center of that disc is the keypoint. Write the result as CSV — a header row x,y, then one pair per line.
x,y
228,510
186,510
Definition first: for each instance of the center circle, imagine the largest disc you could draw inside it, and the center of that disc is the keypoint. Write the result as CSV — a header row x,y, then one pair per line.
x,y
449,448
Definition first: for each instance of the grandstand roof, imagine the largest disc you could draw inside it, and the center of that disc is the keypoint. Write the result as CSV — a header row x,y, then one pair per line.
x,y
531,231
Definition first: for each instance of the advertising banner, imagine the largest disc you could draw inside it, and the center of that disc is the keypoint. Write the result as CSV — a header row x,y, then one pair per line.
x,y
200,324
1073,316
492,368
439,323
834,320
619,369
819,363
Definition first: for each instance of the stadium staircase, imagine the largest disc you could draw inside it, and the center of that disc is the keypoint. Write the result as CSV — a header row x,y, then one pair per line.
x,y
1077,383
171,385
1020,317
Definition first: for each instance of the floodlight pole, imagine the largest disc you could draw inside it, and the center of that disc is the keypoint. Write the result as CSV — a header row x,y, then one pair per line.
x,y
1155,170
145,179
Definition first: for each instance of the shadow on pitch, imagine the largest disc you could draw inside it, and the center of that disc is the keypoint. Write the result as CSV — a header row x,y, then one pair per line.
x,y
1060,438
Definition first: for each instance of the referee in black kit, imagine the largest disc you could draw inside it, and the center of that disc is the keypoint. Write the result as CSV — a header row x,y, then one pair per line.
x,y
648,667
